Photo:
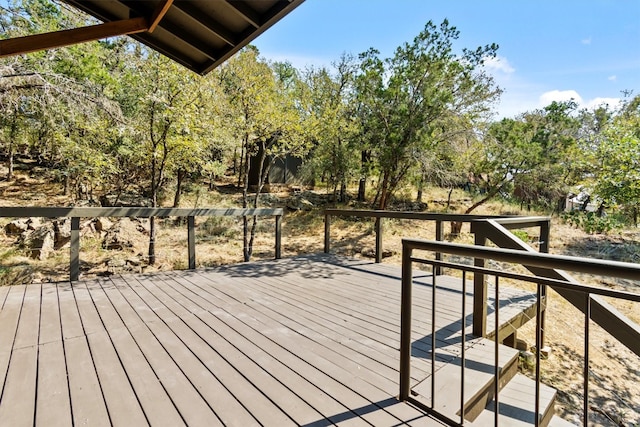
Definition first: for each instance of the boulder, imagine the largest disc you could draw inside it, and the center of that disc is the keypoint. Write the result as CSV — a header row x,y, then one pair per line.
x,y
102,224
16,227
298,203
125,200
124,233
62,232
39,242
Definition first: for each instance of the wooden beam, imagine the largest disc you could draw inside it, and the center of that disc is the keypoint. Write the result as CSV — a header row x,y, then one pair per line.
x,y
158,14
19,45
246,12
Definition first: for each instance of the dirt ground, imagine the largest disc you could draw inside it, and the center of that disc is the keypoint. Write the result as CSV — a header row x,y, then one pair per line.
x,y
614,371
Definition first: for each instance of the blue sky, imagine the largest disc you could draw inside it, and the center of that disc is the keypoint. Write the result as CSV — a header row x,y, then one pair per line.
x,y
588,50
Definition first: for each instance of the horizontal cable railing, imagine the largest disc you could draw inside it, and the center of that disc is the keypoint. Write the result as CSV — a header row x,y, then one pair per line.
x,y
609,269
143,212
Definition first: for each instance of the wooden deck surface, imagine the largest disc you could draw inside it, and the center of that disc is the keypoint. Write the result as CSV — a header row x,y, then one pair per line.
x,y
307,341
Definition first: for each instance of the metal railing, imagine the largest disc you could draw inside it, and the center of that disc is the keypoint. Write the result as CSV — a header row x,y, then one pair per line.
x,y
379,215
76,213
528,259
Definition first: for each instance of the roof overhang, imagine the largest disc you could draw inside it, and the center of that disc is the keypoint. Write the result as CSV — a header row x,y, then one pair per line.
x,y
199,34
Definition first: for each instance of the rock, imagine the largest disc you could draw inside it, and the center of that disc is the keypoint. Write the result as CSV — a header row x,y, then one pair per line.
x,y
34,223
371,253
62,232
16,227
125,200
124,233
115,263
298,203
90,203
102,224
135,261
39,242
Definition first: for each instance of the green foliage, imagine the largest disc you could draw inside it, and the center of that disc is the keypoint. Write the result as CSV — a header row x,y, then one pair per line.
x,y
419,98
590,222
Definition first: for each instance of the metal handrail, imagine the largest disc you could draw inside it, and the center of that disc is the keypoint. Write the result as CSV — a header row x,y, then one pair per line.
x,y
576,264
76,213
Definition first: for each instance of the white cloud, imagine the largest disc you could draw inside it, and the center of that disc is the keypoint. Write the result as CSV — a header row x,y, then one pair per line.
x,y
612,78
568,95
586,41
559,96
499,63
612,103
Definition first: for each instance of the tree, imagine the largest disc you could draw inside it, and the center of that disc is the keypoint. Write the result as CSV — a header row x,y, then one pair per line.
x,y
169,123
264,119
616,164
405,99
335,132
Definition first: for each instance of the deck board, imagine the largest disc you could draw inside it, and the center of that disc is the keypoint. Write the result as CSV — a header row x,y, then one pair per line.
x,y
53,405
307,341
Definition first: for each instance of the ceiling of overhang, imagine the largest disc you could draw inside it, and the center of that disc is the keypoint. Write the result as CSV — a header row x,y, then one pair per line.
x,y
199,34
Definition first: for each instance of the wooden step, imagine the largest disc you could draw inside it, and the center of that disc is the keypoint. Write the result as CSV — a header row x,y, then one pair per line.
x,y
517,405
556,421
479,380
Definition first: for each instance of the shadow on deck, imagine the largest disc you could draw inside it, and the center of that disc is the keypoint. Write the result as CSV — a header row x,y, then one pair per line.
x,y
311,340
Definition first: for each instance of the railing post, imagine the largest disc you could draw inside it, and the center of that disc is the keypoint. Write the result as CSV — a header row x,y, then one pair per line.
x,y
327,232
278,236
379,239
405,323
439,238
545,232
74,251
480,290
191,241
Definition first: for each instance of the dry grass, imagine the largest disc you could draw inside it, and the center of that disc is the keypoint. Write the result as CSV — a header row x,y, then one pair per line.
x,y
615,371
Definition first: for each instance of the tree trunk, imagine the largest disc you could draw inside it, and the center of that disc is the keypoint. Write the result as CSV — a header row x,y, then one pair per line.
x,y
449,198
10,172
66,184
362,186
180,176
384,191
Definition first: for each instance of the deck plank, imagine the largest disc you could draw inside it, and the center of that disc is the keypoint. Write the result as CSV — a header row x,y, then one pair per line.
x,y
190,403
19,393
202,371
122,403
248,345
158,407
234,368
87,401
9,318
53,405
341,382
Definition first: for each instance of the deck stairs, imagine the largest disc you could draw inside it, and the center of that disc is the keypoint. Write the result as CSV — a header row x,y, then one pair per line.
x,y
516,396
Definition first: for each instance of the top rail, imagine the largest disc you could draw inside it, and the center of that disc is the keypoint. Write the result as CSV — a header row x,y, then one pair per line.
x,y
58,212
596,267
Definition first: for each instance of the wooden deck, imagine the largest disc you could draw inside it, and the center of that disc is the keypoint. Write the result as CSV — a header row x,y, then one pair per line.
x,y
307,341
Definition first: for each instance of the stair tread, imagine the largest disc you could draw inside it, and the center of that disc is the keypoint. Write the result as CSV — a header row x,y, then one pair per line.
x,y
517,403
556,421
479,375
